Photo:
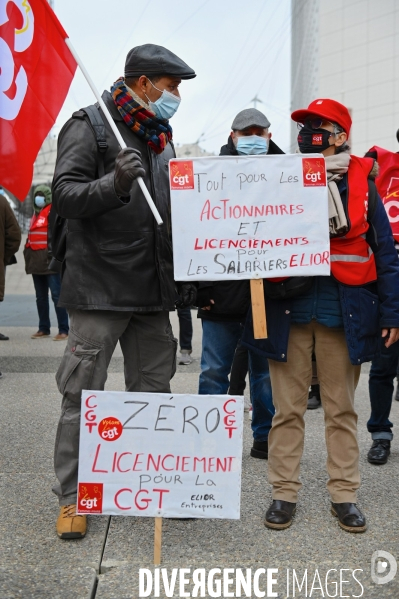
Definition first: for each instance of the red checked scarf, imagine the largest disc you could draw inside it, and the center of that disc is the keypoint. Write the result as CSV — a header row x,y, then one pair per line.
x,y
143,122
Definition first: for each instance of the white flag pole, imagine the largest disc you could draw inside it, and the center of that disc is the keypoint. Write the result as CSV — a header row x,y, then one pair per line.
x,y
114,128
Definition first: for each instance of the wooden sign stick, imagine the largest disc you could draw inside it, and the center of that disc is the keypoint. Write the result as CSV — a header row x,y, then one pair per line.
x,y
258,309
157,541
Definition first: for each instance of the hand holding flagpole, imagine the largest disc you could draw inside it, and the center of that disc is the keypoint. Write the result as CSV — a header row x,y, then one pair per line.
x,y
114,128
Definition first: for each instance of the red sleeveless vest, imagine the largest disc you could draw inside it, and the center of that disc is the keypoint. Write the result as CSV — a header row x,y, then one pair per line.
x,y
352,260
37,236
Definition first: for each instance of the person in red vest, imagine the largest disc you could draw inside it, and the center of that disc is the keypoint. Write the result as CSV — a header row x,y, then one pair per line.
x,y
384,367
339,318
36,264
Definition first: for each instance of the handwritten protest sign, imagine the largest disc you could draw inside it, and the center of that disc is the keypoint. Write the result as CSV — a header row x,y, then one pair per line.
x,y
249,217
160,455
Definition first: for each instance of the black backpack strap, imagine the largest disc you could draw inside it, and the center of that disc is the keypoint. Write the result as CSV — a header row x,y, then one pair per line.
x,y
372,207
97,123
373,199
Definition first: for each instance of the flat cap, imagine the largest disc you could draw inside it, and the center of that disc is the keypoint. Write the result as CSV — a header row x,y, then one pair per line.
x,y
150,59
250,117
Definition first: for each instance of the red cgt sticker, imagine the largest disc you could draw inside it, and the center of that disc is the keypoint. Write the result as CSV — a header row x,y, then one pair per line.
x,y
181,174
90,498
314,172
110,428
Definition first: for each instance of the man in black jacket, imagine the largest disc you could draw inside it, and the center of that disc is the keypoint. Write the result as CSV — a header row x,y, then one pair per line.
x,y
118,271
223,305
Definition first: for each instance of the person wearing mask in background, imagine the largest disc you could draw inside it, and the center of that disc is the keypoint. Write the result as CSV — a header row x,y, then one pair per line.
x,y
10,240
384,367
340,319
223,305
117,281
37,261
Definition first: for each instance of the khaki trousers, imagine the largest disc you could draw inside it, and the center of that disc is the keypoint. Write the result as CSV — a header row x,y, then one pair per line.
x,y
149,352
290,383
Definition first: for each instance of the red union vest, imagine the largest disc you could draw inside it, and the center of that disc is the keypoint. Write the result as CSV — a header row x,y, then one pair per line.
x,y
387,184
37,236
352,259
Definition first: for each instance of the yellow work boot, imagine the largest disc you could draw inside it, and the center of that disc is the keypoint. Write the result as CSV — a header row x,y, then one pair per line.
x,y
69,524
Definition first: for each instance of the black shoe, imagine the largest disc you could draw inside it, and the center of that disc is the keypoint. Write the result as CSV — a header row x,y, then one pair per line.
x,y
3,337
260,449
350,518
1,376
279,515
314,400
379,451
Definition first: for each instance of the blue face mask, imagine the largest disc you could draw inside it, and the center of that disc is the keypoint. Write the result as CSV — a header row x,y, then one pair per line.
x,y
252,144
165,107
40,201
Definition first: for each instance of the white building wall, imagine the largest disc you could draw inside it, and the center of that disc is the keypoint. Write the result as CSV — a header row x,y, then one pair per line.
x,y
304,56
190,151
358,65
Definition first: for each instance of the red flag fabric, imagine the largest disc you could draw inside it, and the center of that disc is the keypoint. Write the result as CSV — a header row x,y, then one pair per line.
x,y
36,71
387,184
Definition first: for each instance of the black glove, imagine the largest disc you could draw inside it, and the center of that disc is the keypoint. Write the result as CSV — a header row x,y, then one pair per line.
x,y
128,167
187,293
204,296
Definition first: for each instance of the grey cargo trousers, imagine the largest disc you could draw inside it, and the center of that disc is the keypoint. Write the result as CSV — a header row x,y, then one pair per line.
x,y
149,352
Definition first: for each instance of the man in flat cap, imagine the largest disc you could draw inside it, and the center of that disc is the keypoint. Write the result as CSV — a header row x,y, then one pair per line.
x,y
117,274
223,305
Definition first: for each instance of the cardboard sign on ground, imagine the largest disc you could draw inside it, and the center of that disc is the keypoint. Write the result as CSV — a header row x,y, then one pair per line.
x,y
249,217
160,455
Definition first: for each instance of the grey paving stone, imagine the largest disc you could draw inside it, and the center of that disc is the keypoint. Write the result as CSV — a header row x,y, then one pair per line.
x,y
21,345
29,411
20,310
45,364
42,582
27,534
34,563
23,354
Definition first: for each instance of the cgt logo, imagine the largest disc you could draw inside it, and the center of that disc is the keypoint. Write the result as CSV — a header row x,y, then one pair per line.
x,y
314,172
391,203
90,498
317,139
181,174
110,429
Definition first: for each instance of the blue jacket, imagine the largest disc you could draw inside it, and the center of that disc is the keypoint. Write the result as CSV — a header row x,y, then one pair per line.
x,y
365,310
320,303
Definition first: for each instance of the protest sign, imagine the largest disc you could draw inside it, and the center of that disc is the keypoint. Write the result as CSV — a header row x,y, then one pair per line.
x,y
249,217
160,455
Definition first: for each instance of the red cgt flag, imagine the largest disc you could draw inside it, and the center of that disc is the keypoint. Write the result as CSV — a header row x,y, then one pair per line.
x,y
36,71
387,184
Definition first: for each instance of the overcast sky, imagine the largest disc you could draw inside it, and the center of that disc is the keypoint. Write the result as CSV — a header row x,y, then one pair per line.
x,y
238,50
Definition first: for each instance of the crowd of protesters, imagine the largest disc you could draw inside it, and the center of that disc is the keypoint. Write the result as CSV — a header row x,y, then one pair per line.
x,y
117,285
